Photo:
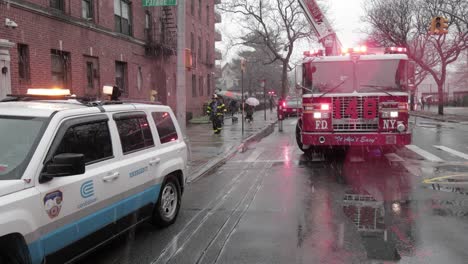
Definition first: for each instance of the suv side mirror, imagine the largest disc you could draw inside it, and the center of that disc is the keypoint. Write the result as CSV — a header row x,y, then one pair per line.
x,y
66,164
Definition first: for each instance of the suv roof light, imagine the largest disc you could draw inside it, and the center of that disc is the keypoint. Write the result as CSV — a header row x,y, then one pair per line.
x,y
48,92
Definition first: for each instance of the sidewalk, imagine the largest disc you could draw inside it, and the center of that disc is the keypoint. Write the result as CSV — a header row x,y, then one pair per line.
x,y
209,151
451,114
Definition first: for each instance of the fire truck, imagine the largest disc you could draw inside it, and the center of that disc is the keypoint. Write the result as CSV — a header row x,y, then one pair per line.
x,y
352,97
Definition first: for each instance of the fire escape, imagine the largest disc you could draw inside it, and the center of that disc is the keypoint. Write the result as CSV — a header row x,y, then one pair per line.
x,y
161,33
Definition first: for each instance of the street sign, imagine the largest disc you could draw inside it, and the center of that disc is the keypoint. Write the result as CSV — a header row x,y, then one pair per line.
x,y
159,2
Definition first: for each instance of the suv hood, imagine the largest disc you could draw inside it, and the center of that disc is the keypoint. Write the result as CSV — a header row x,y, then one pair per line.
x,y
11,186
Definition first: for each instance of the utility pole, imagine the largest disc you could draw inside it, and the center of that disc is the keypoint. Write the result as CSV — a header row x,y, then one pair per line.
x,y
242,92
181,93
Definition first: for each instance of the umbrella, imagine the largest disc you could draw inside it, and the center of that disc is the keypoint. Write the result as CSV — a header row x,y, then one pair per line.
x,y
252,101
230,95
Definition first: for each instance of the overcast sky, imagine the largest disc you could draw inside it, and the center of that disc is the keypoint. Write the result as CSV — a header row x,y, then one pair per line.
x,y
344,14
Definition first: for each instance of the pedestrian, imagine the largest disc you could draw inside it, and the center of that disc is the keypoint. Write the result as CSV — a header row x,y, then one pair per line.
x,y
271,103
423,102
216,110
233,107
249,110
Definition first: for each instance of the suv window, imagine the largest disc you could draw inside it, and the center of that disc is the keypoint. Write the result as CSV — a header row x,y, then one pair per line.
x,y
91,139
166,129
134,132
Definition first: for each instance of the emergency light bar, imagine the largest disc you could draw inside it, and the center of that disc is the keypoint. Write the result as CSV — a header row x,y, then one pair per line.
x,y
359,49
395,50
49,92
314,53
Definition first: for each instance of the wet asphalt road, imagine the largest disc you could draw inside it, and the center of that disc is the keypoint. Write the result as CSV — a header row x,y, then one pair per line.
x,y
272,204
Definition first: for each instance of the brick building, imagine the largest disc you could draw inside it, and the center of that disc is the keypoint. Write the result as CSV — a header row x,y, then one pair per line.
x,y
85,44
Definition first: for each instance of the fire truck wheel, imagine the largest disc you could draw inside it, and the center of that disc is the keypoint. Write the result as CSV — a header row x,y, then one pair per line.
x,y
298,136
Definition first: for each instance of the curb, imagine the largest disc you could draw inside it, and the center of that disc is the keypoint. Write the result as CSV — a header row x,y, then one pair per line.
x,y
227,155
435,118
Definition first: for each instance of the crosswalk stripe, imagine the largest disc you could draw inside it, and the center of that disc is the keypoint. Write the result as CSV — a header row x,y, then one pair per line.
x,y
425,154
452,151
293,122
252,157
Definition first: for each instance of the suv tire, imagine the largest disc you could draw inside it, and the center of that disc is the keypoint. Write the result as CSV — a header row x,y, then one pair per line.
x,y
167,208
13,250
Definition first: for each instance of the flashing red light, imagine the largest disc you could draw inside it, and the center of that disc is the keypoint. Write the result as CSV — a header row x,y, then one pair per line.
x,y
284,104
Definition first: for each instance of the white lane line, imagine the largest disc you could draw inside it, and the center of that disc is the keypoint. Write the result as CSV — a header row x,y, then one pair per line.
x,y
413,169
255,154
265,161
452,151
293,122
427,155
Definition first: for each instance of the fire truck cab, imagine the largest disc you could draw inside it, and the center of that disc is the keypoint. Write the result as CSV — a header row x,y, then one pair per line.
x,y
357,99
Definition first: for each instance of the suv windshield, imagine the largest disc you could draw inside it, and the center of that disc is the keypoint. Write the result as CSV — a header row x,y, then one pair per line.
x,y
20,136
371,76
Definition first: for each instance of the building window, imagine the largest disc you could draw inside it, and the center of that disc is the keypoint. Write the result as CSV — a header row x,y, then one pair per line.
x,y
200,85
208,52
87,9
194,85
23,62
192,42
192,7
122,15
200,48
139,78
208,15
208,84
121,75
57,4
60,62
199,9
90,74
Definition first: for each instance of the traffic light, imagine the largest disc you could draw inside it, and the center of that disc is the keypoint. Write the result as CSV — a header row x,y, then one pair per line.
x,y
439,26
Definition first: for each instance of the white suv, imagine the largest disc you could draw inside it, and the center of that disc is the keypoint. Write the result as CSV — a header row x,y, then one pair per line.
x,y
74,175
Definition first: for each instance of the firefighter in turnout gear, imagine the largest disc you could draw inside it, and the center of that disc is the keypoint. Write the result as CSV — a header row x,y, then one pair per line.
x,y
216,110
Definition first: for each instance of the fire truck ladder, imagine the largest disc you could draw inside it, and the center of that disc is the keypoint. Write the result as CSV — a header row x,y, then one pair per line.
x,y
322,28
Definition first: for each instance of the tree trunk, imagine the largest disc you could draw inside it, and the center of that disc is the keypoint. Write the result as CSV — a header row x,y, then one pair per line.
x,y
284,80
440,89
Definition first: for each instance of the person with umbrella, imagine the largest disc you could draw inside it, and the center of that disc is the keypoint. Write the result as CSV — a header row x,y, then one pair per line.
x,y
216,110
249,108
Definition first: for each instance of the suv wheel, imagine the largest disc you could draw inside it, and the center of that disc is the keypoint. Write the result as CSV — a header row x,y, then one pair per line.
x,y
13,250
168,205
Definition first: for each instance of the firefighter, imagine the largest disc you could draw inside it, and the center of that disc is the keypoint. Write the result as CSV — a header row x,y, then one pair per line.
x,y
216,110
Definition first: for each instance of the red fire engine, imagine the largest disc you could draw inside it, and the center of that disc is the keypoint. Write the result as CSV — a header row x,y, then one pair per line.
x,y
352,97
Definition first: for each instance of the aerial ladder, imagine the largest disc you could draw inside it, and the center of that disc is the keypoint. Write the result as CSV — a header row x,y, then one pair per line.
x,y
322,28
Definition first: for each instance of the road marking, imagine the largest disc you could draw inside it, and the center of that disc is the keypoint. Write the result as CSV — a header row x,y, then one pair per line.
x,y
293,123
427,155
393,157
254,155
452,151
265,161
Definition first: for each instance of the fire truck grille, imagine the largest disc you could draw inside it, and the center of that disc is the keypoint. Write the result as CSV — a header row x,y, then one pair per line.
x,y
346,123
355,127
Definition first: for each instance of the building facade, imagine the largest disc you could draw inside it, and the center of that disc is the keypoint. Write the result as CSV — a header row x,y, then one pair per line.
x,y
83,45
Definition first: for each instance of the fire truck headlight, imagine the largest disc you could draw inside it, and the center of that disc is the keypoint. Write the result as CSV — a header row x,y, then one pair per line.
x,y
401,127
325,107
393,114
317,115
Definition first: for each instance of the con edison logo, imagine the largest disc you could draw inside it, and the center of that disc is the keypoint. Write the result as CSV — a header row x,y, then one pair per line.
x,y
87,189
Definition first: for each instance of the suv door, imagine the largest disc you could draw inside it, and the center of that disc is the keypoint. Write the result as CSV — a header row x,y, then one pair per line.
x,y
136,155
77,206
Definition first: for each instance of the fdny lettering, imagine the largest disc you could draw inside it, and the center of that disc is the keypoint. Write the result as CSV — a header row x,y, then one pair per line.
x,y
389,124
321,124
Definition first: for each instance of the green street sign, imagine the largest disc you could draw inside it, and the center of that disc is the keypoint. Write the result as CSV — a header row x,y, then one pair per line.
x,y
159,2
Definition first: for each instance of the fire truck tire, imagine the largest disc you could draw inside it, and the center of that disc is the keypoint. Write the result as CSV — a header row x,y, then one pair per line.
x,y
298,137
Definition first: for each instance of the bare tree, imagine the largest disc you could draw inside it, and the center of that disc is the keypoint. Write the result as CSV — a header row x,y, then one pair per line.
x,y
275,25
406,23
